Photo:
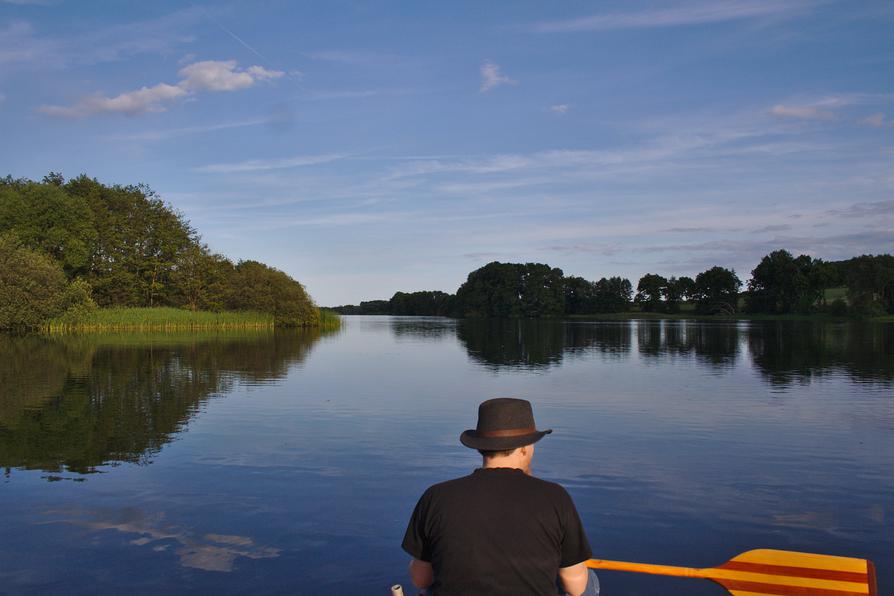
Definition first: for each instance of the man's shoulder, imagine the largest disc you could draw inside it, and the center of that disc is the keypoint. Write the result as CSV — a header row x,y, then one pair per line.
x,y
531,483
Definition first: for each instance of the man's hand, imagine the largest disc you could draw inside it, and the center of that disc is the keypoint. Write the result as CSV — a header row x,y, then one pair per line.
x,y
574,579
422,576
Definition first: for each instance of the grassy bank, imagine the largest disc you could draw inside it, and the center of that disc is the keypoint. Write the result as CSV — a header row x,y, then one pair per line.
x,y
159,319
174,319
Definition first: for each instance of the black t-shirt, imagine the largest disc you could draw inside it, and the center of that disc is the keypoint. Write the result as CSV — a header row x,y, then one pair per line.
x,y
496,531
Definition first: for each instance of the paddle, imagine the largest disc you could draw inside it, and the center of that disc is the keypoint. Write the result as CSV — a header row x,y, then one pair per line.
x,y
765,572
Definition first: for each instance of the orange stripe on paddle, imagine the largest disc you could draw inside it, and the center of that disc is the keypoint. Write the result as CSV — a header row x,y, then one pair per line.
x,y
841,576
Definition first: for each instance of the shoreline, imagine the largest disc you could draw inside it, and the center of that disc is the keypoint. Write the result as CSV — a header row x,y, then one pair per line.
x,y
657,316
169,319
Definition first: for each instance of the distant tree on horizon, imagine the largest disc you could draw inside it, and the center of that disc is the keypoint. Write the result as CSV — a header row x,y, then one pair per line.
x,y
716,291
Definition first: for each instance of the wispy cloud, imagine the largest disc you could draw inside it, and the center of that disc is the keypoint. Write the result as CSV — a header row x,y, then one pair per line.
x,y
159,135
824,107
560,108
255,165
492,77
348,94
675,16
22,46
208,75
359,58
873,209
772,228
877,120
801,112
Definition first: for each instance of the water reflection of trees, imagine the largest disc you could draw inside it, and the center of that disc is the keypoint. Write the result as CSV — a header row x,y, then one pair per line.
x,y
79,402
787,352
784,352
424,328
711,343
525,343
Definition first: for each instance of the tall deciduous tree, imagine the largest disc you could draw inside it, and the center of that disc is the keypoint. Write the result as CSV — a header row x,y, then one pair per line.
x,y
649,291
717,291
782,283
46,218
512,290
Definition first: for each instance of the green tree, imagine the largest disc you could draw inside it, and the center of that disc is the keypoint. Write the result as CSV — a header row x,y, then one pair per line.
x,y
613,294
783,284
649,291
34,289
673,292
580,296
257,287
512,290
425,303
202,279
47,219
717,291
870,283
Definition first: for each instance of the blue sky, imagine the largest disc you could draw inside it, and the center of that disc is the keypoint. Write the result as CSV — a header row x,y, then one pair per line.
x,y
366,148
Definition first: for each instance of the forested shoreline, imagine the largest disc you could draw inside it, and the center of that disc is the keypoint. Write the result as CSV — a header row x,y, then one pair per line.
x,y
780,285
68,248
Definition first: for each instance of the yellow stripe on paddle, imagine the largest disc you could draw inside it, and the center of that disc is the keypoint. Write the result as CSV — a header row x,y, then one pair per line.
x,y
765,572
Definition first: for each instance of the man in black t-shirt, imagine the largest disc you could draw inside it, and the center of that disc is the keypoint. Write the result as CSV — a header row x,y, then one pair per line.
x,y
499,530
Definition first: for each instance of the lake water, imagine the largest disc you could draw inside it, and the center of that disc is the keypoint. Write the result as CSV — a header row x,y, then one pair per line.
x,y
289,463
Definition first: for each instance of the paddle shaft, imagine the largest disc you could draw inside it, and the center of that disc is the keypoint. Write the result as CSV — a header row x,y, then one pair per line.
x,y
647,568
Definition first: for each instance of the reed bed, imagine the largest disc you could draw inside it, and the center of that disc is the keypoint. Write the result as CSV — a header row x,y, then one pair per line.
x,y
329,320
159,319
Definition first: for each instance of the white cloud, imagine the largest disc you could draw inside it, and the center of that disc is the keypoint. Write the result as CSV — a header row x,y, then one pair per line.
x,y
492,77
145,99
683,14
222,75
254,165
801,112
208,75
560,108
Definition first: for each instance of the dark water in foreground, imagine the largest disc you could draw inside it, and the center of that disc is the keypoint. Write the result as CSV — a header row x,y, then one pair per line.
x,y
289,463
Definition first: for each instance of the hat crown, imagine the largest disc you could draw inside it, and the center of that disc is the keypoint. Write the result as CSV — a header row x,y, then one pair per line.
x,y
505,413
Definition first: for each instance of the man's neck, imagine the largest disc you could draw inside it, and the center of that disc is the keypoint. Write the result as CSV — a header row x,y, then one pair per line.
x,y
506,462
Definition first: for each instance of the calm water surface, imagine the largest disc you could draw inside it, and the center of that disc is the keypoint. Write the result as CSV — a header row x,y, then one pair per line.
x,y
289,463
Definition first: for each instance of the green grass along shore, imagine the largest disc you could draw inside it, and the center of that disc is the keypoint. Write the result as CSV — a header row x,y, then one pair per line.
x,y
173,319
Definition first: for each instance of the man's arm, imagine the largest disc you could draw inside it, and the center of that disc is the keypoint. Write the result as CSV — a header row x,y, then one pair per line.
x,y
574,578
422,576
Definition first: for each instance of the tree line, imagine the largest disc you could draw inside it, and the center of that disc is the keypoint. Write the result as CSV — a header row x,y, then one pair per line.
x,y
70,246
780,284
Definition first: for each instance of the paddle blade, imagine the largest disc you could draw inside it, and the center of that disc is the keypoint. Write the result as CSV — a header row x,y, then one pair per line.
x,y
765,572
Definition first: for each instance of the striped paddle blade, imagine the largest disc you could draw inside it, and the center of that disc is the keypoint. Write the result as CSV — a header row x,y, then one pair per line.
x,y
782,573
765,572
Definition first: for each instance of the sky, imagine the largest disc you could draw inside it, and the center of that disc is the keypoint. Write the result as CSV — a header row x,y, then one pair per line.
x,y
370,147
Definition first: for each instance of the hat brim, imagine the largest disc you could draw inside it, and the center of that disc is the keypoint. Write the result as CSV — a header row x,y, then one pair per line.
x,y
471,440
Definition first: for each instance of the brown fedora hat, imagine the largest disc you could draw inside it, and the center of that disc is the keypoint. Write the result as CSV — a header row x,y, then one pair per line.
x,y
503,423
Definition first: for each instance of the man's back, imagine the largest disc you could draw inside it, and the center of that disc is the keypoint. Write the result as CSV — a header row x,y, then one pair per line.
x,y
496,531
